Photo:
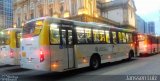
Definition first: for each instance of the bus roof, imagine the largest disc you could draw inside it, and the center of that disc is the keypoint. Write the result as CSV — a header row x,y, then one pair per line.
x,y
78,23
147,34
12,29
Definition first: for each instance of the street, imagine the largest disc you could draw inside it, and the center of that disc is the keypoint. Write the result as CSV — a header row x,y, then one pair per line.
x,y
109,71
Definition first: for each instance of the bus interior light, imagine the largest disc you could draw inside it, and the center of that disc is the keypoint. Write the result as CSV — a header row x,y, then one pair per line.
x,y
8,32
53,26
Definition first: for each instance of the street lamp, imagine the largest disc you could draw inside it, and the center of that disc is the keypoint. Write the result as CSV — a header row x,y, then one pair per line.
x,y
22,24
14,26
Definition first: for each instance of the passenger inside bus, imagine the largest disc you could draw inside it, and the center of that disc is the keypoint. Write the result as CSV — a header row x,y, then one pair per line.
x,y
107,37
114,38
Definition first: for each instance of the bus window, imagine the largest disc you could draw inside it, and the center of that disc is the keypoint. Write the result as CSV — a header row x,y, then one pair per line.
x,y
5,39
37,30
64,37
124,37
33,28
102,36
80,35
70,40
54,34
120,37
96,36
7,42
88,35
130,38
114,37
127,37
107,37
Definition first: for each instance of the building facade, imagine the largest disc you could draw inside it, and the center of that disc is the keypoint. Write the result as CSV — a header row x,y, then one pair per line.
x,y
151,28
81,10
6,13
122,11
141,25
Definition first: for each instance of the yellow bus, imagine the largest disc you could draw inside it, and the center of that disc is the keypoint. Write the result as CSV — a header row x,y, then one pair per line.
x,y
10,43
53,44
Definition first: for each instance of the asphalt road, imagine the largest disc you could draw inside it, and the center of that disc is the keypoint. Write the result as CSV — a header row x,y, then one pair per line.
x,y
117,71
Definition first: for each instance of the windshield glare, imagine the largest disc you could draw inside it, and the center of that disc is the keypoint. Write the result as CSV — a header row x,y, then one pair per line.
x,y
32,28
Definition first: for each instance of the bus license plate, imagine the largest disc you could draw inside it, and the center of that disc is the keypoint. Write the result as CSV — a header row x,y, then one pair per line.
x,y
23,54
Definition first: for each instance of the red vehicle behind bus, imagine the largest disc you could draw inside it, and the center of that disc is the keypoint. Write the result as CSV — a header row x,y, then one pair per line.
x,y
147,44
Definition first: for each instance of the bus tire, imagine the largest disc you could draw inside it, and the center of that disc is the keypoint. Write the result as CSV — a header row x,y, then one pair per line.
x,y
131,54
95,62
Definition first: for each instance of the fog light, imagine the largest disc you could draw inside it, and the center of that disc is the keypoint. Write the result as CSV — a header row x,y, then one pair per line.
x,y
109,57
84,60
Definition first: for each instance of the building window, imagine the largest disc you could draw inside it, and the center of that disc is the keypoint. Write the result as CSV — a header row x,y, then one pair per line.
x,y
62,8
131,14
51,12
19,21
32,16
41,12
25,17
74,7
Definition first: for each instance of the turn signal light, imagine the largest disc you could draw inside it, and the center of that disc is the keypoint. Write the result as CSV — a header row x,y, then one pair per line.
x,y
41,56
11,54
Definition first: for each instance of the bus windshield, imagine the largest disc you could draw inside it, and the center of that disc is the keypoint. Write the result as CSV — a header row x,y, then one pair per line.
x,y
33,28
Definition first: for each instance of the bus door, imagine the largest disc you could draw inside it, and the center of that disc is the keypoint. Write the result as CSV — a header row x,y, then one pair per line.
x,y
115,44
67,43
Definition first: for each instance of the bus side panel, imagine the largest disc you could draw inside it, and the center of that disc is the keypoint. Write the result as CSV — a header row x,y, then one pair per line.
x,y
17,56
59,58
159,44
106,52
5,55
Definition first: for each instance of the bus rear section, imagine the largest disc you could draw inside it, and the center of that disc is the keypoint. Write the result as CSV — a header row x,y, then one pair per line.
x,y
153,44
10,47
158,39
34,49
147,45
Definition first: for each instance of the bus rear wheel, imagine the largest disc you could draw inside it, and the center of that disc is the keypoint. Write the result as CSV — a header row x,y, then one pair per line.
x,y
95,62
131,54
